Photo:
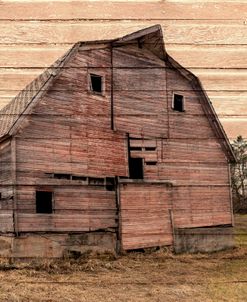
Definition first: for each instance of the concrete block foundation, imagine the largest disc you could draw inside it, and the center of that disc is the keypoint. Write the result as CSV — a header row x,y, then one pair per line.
x,y
205,239
55,245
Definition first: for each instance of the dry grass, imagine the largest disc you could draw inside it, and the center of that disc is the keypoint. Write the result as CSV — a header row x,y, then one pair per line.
x,y
158,276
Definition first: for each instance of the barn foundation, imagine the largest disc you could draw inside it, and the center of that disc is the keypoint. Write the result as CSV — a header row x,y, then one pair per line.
x,y
205,239
56,245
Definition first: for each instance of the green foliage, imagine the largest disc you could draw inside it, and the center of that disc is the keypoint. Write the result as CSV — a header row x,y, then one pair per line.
x,y
239,175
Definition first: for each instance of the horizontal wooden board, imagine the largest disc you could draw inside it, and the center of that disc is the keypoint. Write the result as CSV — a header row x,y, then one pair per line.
x,y
232,107
235,127
175,31
63,222
198,207
35,56
194,173
131,10
227,105
190,56
216,80
209,56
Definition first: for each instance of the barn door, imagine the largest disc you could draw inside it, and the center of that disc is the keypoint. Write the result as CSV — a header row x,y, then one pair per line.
x,y
144,215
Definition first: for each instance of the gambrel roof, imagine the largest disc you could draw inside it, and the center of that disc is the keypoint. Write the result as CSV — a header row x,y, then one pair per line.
x,y
150,38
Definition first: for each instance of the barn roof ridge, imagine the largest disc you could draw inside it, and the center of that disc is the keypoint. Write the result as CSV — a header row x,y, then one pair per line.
x,y
17,107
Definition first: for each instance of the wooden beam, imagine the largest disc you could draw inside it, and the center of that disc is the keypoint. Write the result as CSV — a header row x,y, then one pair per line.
x,y
112,90
14,184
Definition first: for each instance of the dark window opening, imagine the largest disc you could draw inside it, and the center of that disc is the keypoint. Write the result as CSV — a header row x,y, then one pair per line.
x,y
96,83
44,202
96,181
139,43
151,163
75,177
135,148
62,176
110,184
136,168
150,148
178,102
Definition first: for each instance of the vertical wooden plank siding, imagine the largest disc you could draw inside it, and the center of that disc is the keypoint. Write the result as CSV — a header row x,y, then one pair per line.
x,y
139,85
14,183
6,187
145,215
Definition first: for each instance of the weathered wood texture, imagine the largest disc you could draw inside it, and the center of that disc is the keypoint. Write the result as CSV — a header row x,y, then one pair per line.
x,y
65,223
139,79
206,36
189,154
6,184
68,131
197,206
71,197
145,217
5,162
75,209
6,221
125,10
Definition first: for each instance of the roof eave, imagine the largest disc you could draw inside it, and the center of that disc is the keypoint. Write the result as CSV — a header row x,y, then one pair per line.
x,y
220,132
5,137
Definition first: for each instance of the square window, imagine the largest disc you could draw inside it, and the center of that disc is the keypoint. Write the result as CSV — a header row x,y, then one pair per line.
x,y
44,202
96,83
178,102
136,168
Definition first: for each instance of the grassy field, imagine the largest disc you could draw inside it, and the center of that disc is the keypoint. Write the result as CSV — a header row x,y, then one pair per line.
x,y
158,276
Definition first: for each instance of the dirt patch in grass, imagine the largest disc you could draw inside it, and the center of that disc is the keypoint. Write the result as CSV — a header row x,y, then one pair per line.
x,y
156,276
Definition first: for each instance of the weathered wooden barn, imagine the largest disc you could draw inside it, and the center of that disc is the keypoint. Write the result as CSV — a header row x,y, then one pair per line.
x,y
115,146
